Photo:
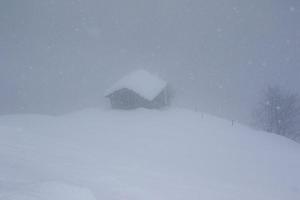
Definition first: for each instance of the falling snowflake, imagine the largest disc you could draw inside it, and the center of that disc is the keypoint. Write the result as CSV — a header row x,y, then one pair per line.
x,y
292,9
278,107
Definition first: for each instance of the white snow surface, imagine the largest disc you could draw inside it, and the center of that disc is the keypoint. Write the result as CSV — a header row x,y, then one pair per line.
x,y
48,191
142,82
173,154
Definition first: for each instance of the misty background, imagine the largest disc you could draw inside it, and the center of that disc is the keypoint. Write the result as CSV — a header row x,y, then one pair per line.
x,y
57,56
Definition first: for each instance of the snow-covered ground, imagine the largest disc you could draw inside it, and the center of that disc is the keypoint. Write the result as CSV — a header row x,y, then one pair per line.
x,y
143,155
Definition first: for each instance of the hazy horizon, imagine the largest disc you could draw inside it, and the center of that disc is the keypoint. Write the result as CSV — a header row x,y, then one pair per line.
x,y
58,56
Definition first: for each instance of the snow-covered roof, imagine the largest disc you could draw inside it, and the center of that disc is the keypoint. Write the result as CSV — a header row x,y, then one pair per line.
x,y
142,82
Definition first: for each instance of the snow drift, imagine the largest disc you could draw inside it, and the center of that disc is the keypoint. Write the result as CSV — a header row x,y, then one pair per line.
x,y
48,191
142,155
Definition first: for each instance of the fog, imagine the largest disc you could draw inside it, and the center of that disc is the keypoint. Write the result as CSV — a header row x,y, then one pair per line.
x,y
58,56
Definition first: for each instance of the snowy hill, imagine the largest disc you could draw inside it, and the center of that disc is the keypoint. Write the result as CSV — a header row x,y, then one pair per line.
x,y
143,155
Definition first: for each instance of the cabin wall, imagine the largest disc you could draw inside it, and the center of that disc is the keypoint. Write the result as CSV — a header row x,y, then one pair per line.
x,y
126,99
160,101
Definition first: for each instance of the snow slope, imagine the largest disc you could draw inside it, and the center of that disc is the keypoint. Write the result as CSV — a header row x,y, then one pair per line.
x,y
48,191
173,154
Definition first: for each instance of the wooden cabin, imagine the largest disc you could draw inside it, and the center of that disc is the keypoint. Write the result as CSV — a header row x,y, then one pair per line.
x,y
139,89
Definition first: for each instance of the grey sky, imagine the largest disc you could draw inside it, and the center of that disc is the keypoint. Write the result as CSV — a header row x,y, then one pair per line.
x,y
60,55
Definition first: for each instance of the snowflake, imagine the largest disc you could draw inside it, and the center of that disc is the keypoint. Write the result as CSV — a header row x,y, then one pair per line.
x,y
292,9
278,107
